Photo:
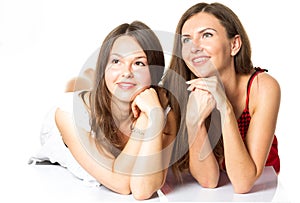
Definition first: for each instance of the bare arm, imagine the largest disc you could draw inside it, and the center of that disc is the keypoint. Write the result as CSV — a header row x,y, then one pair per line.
x,y
204,169
151,164
148,173
203,164
103,173
245,163
114,173
119,174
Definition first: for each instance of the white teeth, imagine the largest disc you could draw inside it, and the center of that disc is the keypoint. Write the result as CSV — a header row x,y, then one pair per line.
x,y
201,59
126,84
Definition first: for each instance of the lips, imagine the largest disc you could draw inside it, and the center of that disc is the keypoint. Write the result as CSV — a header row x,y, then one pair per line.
x,y
200,60
126,85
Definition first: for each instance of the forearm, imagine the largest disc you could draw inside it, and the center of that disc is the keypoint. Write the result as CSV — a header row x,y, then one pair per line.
x,y
125,161
203,164
150,176
148,171
240,167
93,159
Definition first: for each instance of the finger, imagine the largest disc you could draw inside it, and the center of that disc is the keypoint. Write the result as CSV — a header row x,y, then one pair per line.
x,y
200,83
153,90
205,80
192,81
190,88
199,79
201,90
203,87
139,91
134,108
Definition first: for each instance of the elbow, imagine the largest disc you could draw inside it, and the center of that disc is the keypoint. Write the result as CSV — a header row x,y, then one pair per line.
x,y
208,183
145,190
208,180
142,195
245,185
242,189
121,188
124,191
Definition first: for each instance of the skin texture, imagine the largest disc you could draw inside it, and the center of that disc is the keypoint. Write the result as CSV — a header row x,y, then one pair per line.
x,y
209,54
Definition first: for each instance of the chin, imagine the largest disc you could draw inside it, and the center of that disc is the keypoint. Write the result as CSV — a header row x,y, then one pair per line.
x,y
126,97
205,74
123,97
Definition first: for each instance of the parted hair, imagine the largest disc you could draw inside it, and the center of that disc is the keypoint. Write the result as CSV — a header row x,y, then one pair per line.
x,y
103,125
178,70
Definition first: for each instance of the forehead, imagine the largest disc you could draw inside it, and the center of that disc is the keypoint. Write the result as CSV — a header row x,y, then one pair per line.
x,y
201,21
125,45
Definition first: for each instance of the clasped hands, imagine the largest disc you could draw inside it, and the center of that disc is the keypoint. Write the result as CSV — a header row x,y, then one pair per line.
x,y
206,94
146,108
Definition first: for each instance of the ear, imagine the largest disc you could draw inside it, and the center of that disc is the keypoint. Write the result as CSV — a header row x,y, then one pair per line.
x,y
236,44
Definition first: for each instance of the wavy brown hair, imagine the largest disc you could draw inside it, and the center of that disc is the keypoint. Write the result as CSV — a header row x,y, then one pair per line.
x,y
103,125
178,71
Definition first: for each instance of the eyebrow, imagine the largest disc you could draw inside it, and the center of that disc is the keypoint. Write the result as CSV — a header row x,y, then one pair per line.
x,y
121,56
200,31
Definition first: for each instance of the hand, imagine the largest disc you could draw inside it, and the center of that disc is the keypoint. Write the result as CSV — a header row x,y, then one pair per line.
x,y
149,113
145,102
212,85
199,107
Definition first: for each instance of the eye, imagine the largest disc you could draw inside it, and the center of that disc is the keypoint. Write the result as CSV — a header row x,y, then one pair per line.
x,y
115,61
207,35
185,40
140,63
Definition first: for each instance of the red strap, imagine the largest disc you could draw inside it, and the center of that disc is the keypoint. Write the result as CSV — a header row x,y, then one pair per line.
x,y
257,71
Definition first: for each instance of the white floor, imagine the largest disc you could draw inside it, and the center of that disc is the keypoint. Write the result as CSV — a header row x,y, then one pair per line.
x,y
53,183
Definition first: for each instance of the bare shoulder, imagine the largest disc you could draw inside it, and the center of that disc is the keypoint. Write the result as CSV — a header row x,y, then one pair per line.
x,y
64,124
265,91
265,83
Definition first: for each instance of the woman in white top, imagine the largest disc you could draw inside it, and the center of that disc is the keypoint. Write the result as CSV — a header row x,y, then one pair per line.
x,y
128,146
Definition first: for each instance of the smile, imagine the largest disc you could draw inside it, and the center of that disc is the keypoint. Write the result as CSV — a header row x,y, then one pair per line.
x,y
126,85
200,59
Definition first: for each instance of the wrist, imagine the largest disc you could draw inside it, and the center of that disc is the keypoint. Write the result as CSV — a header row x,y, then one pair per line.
x,y
149,126
226,112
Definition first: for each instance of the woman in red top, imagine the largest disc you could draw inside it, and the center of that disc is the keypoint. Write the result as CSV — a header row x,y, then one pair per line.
x,y
212,53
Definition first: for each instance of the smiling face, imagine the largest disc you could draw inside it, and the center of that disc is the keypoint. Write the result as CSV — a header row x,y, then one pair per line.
x,y
127,71
205,46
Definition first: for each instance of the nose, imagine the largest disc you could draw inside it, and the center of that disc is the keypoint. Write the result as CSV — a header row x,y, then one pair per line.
x,y
196,46
127,71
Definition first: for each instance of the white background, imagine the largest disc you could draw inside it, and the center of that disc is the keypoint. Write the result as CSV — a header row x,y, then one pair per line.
x,y
45,43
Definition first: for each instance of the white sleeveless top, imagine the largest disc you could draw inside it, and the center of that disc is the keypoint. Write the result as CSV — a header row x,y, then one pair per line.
x,y
53,148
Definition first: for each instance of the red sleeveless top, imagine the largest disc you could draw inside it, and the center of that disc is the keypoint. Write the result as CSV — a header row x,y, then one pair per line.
x,y
244,121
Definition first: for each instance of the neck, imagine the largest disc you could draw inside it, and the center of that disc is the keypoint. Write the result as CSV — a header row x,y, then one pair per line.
x,y
235,90
230,81
121,111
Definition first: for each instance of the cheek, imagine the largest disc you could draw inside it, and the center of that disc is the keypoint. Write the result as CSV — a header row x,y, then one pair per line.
x,y
222,55
185,52
143,77
110,77
112,73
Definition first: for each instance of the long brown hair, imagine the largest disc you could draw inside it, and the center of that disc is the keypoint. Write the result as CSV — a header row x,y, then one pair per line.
x,y
178,71
103,125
